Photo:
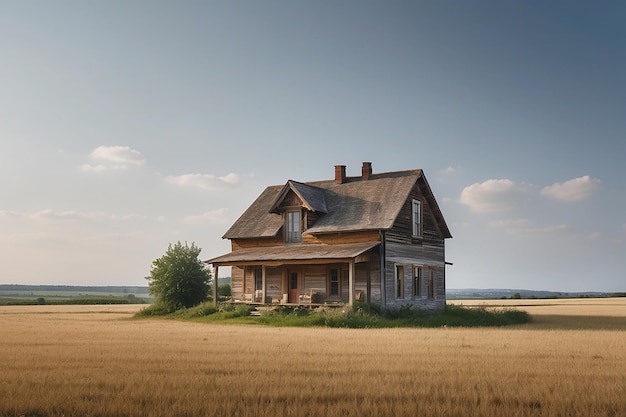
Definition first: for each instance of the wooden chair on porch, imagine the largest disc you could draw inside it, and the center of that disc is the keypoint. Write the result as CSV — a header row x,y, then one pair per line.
x,y
309,298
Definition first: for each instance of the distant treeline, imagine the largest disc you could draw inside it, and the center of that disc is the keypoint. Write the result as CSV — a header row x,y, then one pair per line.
x,y
131,299
75,288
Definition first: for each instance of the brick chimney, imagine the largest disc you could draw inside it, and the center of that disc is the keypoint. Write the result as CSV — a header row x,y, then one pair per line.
x,y
340,174
366,171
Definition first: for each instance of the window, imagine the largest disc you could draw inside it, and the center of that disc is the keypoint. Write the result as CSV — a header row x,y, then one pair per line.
x,y
417,281
417,217
334,283
431,283
399,281
258,279
293,227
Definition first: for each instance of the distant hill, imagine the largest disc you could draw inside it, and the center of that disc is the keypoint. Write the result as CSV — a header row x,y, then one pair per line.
x,y
493,293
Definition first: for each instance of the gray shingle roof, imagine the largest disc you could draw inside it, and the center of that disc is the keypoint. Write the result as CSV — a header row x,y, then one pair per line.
x,y
354,205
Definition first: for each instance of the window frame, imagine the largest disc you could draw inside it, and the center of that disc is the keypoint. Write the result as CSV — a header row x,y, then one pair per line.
x,y
338,282
290,229
431,284
416,218
258,279
418,274
399,282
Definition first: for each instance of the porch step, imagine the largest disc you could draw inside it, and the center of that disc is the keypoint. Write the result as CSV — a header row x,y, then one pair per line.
x,y
255,313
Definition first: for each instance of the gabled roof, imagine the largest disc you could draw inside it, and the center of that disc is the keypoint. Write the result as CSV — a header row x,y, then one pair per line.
x,y
354,205
313,198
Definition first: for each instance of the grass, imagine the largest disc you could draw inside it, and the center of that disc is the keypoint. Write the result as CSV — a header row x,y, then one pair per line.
x,y
97,361
359,316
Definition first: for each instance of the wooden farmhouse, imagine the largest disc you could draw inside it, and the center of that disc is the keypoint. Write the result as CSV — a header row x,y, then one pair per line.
x,y
375,238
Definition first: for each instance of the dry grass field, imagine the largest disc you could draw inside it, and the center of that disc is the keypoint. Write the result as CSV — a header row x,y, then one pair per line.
x,y
98,361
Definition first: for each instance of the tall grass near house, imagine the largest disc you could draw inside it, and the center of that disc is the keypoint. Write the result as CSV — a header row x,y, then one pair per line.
x,y
358,316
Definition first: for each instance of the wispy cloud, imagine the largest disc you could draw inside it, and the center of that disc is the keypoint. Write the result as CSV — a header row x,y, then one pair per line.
x,y
101,168
448,171
69,215
525,227
9,213
494,195
203,181
445,174
219,216
113,158
573,190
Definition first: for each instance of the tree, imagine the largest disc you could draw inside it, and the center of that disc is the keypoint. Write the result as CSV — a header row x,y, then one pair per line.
x,y
179,279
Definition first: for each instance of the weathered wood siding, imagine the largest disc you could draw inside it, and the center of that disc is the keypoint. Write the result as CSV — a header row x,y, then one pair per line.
x,y
430,258
339,238
401,230
291,200
236,285
428,251
254,243
314,279
273,284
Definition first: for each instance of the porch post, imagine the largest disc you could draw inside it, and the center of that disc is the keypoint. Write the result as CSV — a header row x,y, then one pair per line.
x,y
215,275
351,282
263,287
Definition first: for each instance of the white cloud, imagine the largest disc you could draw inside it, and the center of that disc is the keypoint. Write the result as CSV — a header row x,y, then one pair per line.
x,y
219,216
573,190
101,168
494,195
113,158
203,181
118,154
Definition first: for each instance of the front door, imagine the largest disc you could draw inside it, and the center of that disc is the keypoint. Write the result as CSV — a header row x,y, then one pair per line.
x,y
293,287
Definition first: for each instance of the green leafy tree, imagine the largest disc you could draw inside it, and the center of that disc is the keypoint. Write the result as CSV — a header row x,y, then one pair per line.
x,y
179,279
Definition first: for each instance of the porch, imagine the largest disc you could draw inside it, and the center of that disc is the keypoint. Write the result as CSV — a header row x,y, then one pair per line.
x,y
303,275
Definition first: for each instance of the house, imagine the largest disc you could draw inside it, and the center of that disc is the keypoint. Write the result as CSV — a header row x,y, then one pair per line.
x,y
377,238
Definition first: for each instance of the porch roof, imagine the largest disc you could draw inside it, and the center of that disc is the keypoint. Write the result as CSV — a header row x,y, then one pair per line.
x,y
278,255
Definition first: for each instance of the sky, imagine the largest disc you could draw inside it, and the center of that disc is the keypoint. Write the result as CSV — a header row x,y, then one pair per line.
x,y
129,125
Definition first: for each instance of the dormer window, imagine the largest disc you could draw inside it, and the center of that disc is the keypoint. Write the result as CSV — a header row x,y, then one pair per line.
x,y
293,226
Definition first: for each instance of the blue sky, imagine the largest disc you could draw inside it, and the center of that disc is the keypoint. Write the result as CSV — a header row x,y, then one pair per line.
x,y
127,125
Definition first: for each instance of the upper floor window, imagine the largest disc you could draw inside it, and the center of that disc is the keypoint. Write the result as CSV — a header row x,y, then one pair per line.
x,y
293,223
416,210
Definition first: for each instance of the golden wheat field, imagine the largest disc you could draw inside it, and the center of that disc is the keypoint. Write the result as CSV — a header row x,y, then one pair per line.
x,y
98,361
